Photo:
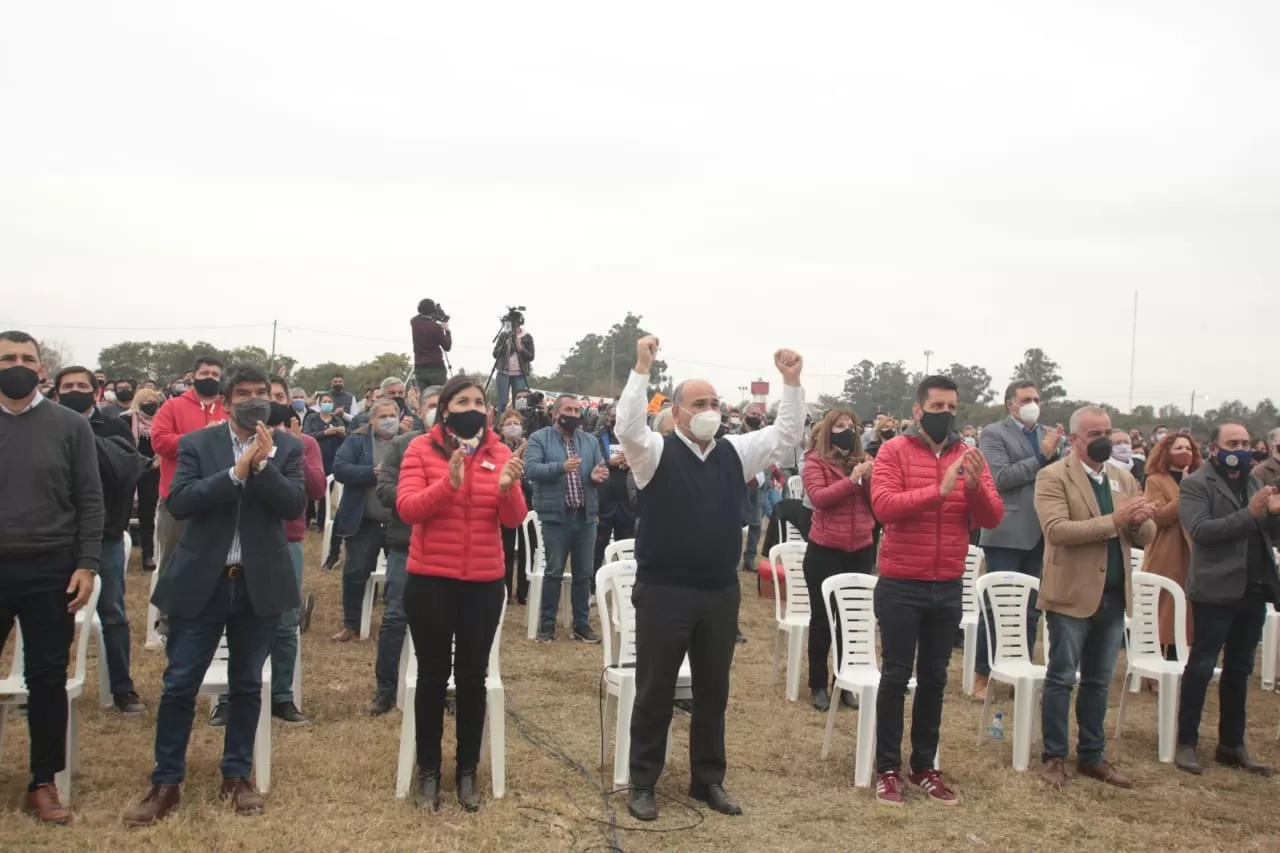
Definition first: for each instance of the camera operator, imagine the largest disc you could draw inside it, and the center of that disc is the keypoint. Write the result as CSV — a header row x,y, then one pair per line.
x,y
431,340
513,355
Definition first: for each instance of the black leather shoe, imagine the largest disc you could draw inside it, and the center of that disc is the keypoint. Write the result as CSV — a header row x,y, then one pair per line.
x,y
428,794
288,713
382,703
218,717
716,797
1184,758
821,699
1237,756
642,805
849,700
468,791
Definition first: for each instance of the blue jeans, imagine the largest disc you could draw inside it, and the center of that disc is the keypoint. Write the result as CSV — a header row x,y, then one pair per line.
x,y
115,622
362,558
571,537
1232,630
755,515
391,633
1011,560
508,385
284,647
190,648
1090,646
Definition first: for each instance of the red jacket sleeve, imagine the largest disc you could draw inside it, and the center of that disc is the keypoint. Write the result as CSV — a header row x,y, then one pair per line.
x,y
985,506
511,507
891,501
164,432
822,492
417,497
313,468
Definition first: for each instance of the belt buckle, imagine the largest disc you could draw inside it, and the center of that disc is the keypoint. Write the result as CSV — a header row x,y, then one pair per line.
x,y
233,572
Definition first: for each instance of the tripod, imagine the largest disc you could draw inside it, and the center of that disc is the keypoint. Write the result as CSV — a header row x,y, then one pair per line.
x,y
502,340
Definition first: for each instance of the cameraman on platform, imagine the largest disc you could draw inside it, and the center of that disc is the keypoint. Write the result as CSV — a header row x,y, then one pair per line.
x,y
513,355
431,340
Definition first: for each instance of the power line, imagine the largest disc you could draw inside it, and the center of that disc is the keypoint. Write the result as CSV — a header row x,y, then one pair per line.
x,y
166,327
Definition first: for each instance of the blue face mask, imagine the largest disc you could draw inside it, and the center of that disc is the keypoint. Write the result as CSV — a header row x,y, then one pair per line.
x,y
299,404
1235,460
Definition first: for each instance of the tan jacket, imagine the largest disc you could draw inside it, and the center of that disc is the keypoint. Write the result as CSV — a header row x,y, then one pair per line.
x,y
1268,472
1076,535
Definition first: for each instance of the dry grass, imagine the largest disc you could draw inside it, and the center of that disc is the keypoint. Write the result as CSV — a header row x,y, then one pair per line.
x,y
333,783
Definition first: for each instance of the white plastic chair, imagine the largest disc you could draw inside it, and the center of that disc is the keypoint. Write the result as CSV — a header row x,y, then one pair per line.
x,y
1007,595
1143,659
154,640
377,578
535,569
100,641
855,666
13,690
793,621
619,549
495,720
795,487
1270,642
216,683
332,499
969,619
614,582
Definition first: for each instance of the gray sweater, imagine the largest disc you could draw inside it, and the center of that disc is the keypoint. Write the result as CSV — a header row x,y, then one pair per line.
x,y
50,491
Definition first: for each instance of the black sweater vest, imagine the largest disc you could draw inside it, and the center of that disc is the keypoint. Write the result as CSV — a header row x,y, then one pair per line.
x,y
691,528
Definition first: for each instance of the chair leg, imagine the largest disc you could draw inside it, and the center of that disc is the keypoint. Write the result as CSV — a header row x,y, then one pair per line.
x,y
779,638
864,758
408,744
985,716
1167,716
366,609
970,657
104,675
1270,634
534,605
622,735
262,743
831,721
1128,675
795,646
497,713
1023,723
297,674
610,710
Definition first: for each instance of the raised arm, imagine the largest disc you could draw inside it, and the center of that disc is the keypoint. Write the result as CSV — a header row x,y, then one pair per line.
x,y
764,447
642,446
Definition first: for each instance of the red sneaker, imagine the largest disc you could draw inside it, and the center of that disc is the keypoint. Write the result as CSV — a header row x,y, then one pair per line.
x,y
889,788
930,781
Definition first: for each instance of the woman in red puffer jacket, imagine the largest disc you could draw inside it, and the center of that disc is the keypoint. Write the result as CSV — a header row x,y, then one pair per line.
x,y
459,485
837,473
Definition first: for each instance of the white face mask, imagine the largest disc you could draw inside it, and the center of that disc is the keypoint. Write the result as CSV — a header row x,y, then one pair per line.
x,y
513,431
387,427
705,425
1160,436
735,421
430,419
1121,452
971,441
1029,414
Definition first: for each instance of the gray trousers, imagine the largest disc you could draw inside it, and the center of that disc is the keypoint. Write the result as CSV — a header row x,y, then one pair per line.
x,y
168,533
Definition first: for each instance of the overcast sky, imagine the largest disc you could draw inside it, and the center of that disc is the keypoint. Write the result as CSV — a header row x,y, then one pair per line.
x,y
854,180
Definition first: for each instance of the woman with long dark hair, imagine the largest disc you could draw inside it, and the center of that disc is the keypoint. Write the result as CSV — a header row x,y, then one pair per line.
x,y
837,479
459,486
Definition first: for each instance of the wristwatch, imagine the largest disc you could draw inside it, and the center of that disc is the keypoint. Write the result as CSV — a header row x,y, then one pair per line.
x,y
260,467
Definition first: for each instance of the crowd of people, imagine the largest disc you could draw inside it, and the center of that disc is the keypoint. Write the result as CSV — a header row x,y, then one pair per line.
x,y
224,468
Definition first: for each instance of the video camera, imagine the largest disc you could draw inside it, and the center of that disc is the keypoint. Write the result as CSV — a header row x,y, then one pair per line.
x,y
514,317
430,309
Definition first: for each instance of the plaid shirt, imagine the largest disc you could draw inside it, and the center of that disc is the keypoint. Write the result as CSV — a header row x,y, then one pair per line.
x,y
575,496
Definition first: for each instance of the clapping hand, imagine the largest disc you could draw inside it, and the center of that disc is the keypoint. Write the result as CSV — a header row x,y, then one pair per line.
x,y
1051,442
599,473
1123,514
1260,503
1142,514
949,478
456,461
1273,504
974,463
263,444
861,470
514,469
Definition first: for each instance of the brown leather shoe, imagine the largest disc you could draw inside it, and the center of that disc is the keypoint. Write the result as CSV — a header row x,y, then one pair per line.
x,y
1054,773
160,800
1104,772
244,796
346,635
44,805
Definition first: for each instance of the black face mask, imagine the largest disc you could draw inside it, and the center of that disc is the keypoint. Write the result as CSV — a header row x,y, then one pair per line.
x,y
1099,450
842,440
937,425
752,421
338,387
887,434
569,423
280,414
207,387
18,381
148,408
465,424
1259,456
124,396
76,401
250,413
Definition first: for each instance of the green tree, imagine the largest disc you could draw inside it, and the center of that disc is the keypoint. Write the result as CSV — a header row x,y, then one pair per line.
x,y
974,383
1044,372
318,378
883,387
371,373
598,364
55,355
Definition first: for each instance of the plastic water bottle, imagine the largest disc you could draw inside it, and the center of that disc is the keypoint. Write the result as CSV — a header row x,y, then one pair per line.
x,y
995,731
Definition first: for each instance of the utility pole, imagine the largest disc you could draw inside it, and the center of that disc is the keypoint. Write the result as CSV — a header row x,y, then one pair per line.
x,y
1191,416
613,369
272,367
1133,348
928,354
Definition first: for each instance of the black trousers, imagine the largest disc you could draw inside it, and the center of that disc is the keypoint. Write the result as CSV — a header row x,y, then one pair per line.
x,y
444,613
821,563
514,548
671,622
148,497
430,374
1232,631
34,591
918,621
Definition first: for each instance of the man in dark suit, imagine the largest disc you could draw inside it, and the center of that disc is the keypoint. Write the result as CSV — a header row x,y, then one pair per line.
x,y
235,486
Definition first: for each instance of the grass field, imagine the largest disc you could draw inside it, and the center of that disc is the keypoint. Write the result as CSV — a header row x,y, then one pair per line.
x,y
333,782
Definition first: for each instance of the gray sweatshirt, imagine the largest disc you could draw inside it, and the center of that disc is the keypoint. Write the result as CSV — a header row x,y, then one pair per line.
x,y
50,491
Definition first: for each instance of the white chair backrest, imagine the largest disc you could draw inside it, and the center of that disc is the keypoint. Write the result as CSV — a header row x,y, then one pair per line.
x,y
790,555
969,594
1144,622
795,487
1008,595
534,558
83,631
855,615
1135,559
614,582
620,549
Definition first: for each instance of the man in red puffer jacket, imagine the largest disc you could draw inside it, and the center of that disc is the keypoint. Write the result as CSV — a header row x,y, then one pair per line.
x,y
929,489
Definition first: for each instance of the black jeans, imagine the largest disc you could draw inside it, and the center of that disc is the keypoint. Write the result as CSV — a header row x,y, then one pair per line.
x,y
670,622
33,589
447,615
918,621
428,375
148,497
1233,631
515,549
821,563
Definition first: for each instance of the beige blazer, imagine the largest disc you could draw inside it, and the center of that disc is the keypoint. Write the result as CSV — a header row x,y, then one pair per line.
x,y
1076,536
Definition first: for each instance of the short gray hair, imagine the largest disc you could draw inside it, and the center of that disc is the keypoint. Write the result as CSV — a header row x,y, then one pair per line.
x,y
1273,438
383,402
560,398
678,395
1074,424
389,381
430,391
294,391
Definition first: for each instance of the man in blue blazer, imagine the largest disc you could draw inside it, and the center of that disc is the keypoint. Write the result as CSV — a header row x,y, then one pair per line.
x,y
565,466
236,484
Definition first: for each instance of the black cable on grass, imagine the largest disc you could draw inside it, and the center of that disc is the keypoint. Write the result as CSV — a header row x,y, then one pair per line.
x,y
609,828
